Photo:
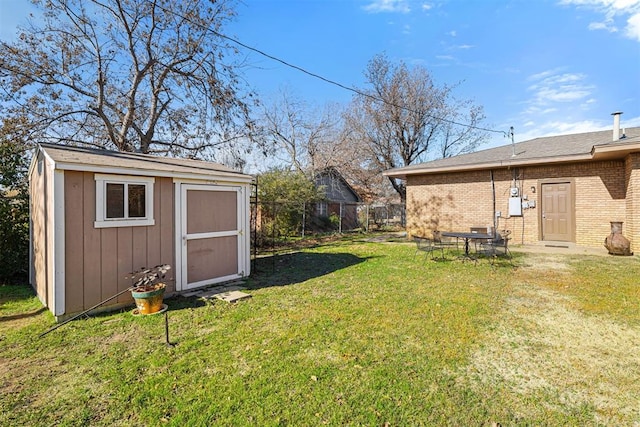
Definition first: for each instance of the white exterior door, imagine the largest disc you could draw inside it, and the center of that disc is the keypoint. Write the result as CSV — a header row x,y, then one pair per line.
x,y
212,245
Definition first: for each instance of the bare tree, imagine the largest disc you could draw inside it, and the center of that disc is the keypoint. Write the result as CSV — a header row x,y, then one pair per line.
x,y
134,75
348,155
404,115
310,141
456,139
313,141
298,134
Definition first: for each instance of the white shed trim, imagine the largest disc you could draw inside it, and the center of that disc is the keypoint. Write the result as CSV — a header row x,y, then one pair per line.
x,y
58,242
101,221
243,267
220,177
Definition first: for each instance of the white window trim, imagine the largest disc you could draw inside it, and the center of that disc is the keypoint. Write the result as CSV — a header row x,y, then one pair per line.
x,y
101,184
323,209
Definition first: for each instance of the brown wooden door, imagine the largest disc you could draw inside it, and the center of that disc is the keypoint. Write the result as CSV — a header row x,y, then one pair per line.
x,y
557,212
211,232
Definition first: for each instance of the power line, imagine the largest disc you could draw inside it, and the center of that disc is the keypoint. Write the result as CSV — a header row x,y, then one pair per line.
x,y
324,79
351,89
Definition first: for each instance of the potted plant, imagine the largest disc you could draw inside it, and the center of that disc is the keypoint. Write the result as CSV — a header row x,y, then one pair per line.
x,y
148,288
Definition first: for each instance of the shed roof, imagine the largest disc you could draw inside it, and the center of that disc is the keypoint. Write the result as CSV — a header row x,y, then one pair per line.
x,y
552,149
106,161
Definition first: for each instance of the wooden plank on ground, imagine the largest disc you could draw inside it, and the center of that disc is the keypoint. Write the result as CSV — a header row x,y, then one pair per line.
x,y
232,296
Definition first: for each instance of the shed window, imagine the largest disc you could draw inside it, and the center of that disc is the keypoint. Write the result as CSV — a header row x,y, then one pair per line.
x,y
123,201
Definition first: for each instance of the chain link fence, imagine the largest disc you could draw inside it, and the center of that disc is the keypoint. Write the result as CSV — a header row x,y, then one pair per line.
x,y
278,223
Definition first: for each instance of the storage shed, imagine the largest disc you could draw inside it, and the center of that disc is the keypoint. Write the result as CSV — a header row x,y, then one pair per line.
x,y
97,215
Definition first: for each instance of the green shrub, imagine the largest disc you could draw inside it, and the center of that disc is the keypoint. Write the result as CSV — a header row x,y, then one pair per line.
x,y
14,207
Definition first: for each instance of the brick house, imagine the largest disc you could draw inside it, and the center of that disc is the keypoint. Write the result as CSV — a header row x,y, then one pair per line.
x,y
562,190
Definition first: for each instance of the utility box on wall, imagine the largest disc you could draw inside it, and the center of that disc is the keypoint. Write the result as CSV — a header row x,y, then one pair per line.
x,y
515,206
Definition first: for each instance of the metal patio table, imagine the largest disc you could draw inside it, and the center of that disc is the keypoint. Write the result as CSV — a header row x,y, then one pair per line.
x,y
467,235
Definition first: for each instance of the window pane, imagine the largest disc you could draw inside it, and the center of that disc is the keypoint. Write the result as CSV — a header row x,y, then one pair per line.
x,y
115,200
322,208
137,201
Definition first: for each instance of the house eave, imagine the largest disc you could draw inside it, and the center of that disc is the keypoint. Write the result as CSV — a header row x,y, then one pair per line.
x,y
501,164
614,151
601,152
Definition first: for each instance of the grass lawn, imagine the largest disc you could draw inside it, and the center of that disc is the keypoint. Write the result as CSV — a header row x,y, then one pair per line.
x,y
346,333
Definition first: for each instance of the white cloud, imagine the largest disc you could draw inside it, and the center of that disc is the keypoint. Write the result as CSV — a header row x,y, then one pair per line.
x,y
556,95
532,129
556,127
633,27
416,61
455,47
552,86
617,13
379,6
602,26
542,75
561,124
426,6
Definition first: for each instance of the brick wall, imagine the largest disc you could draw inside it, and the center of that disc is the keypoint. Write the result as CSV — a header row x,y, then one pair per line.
x,y
631,227
457,201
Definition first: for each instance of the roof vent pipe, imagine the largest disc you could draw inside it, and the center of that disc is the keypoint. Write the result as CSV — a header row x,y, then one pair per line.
x,y
616,125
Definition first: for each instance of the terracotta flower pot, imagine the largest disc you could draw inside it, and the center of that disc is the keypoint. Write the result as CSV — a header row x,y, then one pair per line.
x,y
149,298
615,242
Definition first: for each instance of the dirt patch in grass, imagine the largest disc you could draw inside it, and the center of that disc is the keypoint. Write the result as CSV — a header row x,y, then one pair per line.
x,y
546,263
544,349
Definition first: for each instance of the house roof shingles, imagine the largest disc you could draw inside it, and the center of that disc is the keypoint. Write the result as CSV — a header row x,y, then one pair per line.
x,y
331,172
553,149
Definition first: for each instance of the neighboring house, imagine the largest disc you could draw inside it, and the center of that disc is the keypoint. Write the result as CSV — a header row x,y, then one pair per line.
x,y
340,198
98,215
559,190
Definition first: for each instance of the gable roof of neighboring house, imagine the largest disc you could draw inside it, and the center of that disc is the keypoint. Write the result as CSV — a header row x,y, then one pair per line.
x,y
333,173
106,161
546,150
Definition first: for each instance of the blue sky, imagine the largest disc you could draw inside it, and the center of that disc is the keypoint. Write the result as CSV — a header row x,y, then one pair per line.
x,y
543,67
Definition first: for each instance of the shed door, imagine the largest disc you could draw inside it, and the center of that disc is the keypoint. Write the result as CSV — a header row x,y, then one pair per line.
x,y
557,212
211,234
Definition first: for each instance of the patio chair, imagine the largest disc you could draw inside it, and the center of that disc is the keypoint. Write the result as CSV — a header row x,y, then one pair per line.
x,y
498,246
426,245
482,230
445,242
